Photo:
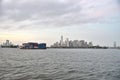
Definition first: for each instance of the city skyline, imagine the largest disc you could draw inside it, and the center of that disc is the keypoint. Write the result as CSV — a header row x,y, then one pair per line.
x,y
66,43
44,21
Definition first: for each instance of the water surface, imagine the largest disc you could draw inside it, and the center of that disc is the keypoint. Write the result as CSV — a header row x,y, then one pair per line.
x,y
60,64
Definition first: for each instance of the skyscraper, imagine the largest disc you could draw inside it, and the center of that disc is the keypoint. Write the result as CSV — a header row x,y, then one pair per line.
x,y
61,41
114,44
90,44
67,42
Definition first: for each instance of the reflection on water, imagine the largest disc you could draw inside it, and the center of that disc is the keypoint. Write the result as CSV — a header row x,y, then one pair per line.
x,y
60,64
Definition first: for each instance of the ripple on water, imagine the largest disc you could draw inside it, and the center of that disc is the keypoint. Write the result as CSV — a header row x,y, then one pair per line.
x,y
59,64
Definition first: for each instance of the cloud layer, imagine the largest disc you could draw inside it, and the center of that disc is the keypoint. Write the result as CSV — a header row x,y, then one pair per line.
x,y
20,14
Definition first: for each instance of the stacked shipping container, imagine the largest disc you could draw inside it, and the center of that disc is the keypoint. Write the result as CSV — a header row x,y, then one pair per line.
x,y
32,45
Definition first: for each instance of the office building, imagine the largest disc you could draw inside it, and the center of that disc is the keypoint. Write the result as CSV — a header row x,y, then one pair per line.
x,y
114,44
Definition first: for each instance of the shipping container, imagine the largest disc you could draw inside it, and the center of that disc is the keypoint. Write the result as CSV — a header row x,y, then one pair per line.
x,y
33,45
42,46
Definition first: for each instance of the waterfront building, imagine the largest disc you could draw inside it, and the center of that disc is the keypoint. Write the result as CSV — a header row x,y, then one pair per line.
x,y
8,44
67,42
114,44
61,41
70,44
75,43
82,42
90,44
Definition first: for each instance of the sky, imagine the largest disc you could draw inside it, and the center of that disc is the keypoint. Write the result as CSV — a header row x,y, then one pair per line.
x,y
46,20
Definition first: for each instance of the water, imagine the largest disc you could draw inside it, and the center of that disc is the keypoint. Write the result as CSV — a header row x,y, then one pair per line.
x,y
60,64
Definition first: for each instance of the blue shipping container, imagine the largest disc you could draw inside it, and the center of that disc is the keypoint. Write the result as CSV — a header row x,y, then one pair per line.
x,y
42,46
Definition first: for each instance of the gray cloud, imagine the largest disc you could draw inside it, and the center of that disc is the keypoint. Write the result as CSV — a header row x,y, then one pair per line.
x,y
0,7
39,8
25,13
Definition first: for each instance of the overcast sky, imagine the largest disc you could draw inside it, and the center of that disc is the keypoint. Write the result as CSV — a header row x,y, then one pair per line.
x,y
47,20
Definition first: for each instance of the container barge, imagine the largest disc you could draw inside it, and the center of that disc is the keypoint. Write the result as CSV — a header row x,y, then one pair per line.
x,y
32,45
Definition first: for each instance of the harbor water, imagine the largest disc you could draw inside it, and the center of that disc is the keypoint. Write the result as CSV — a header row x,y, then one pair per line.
x,y
59,64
